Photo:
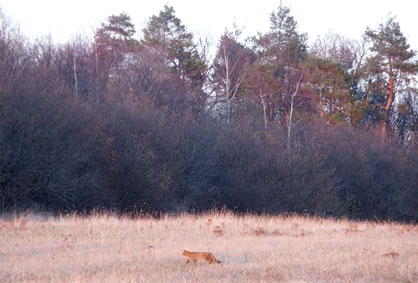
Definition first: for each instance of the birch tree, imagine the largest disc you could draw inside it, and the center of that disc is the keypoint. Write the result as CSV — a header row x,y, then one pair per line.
x,y
230,71
281,50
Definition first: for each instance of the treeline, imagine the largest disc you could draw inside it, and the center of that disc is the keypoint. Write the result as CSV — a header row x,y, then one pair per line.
x,y
268,125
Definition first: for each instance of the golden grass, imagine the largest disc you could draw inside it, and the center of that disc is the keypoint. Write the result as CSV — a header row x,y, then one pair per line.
x,y
106,248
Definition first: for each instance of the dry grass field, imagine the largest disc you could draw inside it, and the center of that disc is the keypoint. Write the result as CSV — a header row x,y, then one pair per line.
x,y
106,248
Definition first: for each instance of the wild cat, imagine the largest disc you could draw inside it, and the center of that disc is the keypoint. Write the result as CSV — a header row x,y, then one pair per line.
x,y
195,256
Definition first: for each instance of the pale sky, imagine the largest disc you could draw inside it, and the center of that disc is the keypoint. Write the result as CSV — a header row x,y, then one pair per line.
x,y
63,19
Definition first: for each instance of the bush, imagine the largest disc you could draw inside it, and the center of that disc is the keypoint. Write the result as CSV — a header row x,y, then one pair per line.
x,y
48,154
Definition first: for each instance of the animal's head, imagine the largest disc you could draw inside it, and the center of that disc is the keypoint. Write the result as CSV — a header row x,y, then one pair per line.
x,y
184,252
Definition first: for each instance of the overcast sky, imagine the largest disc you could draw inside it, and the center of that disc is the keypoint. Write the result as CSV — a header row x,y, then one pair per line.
x,y
62,19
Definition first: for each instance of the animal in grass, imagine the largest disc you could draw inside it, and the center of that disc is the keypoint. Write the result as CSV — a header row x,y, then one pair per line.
x,y
204,256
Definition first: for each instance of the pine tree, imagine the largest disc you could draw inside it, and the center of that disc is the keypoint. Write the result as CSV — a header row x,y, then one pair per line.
x,y
168,36
112,41
326,81
391,68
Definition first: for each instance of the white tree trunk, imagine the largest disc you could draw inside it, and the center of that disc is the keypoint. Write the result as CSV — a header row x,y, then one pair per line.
x,y
263,102
292,107
75,75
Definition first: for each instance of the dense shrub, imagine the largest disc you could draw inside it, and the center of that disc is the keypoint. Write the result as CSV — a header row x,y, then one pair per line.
x,y
48,154
59,154
376,179
80,130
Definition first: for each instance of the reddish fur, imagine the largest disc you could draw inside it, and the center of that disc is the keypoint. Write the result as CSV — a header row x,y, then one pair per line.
x,y
195,256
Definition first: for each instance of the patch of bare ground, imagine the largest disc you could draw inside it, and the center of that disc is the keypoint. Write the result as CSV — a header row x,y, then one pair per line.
x,y
107,248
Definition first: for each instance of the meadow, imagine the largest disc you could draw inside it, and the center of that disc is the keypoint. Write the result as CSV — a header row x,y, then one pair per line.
x,y
108,248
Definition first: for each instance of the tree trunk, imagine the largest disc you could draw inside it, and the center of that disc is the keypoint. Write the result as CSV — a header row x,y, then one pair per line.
x,y
292,106
227,82
289,123
321,107
389,101
96,57
264,108
75,75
